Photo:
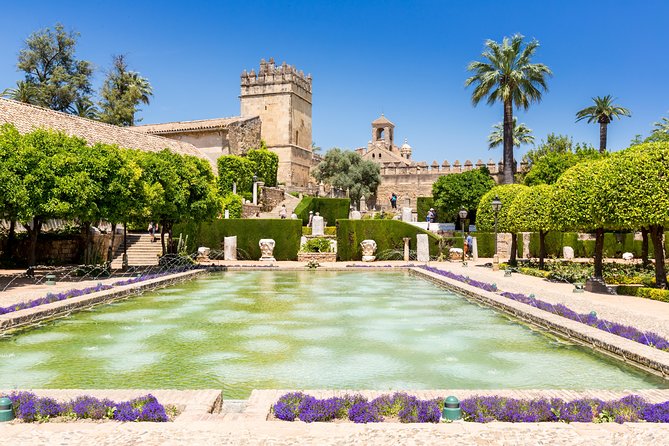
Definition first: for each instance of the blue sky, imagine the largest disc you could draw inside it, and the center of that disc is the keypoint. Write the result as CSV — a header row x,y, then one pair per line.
x,y
406,59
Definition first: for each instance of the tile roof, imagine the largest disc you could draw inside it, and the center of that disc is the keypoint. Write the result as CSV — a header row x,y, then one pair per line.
x,y
187,126
381,120
26,117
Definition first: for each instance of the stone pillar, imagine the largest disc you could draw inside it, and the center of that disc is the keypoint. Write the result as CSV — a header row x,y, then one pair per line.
x,y
363,204
475,249
406,248
226,214
422,248
407,215
303,241
230,248
317,225
234,188
255,193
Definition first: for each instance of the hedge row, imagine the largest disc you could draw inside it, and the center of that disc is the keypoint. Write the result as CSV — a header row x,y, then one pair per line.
x,y
331,209
387,234
648,293
286,233
615,244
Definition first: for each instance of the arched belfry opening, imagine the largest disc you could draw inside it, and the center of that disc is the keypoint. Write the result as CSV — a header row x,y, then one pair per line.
x,y
382,131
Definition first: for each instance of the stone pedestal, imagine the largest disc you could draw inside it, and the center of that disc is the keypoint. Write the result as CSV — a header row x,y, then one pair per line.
x,y
226,214
422,248
368,250
317,225
267,249
356,215
203,254
567,252
475,249
594,285
230,248
303,241
406,215
363,204
406,248
495,262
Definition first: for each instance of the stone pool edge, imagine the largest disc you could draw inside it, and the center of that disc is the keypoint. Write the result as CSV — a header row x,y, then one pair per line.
x,y
648,359
23,318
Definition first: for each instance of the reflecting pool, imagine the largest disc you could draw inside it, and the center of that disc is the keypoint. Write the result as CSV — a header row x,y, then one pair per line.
x,y
302,329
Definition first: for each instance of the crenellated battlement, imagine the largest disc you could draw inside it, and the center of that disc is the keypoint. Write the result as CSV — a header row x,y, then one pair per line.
x,y
271,74
422,168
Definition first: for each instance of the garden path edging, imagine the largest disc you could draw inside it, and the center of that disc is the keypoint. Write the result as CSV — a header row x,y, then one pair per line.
x,y
638,355
28,316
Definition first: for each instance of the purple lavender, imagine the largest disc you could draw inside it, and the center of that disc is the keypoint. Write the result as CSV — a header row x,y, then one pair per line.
x,y
287,407
364,412
50,297
656,413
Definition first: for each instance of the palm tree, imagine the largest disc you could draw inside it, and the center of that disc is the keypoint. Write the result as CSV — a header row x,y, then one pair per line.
x,y
85,108
602,112
508,76
24,92
521,134
662,126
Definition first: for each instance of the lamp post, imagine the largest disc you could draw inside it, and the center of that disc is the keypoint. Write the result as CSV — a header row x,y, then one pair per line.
x,y
463,215
496,207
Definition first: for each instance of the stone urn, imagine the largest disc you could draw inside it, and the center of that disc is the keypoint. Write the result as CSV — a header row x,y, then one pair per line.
x,y
368,249
267,249
203,253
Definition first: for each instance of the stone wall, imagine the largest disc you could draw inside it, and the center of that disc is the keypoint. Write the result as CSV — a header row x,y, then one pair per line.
x,y
270,197
62,251
242,135
250,210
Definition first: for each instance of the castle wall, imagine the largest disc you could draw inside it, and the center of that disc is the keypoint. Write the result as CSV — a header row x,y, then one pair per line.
x,y
242,136
208,141
294,165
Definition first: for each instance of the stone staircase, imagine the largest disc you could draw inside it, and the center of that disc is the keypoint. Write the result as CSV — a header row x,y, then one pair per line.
x,y
141,251
290,202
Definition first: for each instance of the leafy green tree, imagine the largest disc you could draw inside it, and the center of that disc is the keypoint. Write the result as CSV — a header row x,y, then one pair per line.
x,y
266,164
578,204
182,188
521,134
13,194
122,92
603,112
347,170
531,211
235,169
636,195
85,108
52,70
508,76
553,157
485,217
455,191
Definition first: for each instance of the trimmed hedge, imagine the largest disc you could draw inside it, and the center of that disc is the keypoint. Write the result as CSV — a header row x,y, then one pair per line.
x,y
331,209
423,204
329,230
615,244
648,293
285,232
387,234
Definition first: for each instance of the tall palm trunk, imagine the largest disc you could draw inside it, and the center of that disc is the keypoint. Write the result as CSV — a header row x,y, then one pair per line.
x,y
508,142
602,136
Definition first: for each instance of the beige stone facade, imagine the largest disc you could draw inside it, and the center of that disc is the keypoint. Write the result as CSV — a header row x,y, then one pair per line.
x,y
281,97
275,107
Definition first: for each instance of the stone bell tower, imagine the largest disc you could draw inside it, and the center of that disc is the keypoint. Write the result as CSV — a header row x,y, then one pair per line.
x,y
281,97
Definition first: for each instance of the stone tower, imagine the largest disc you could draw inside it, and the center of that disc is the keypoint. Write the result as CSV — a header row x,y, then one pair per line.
x,y
382,132
281,97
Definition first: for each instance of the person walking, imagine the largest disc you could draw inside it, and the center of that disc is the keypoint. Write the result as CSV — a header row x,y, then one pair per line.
x,y
152,231
283,213
393,201
470,245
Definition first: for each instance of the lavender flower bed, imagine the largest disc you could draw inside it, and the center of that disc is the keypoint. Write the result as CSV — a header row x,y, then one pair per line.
x,y
643,337
28,407
460,278
356,408
479,409
50,297
648,338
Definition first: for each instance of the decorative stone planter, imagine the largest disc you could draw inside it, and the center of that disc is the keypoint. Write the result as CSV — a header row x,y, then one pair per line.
x,y
267,249
368,249
317,256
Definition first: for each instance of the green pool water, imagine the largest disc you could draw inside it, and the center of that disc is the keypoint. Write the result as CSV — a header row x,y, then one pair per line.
x,y
240,331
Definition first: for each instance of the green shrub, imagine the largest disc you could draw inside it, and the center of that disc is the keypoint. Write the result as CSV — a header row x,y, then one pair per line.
x,y
388,235
318,244
233,204
648,293
423,205
329,230
235,169
331,209
285,232
266,165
